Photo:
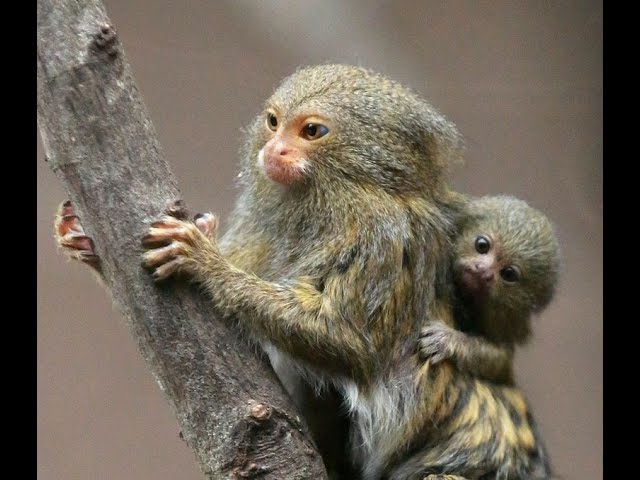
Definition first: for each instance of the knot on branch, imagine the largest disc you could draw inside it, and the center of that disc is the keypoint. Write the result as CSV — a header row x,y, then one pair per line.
x,y
260,441
106,40
260,412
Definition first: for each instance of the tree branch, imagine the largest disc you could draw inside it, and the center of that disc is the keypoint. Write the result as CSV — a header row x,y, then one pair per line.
x,y
100,142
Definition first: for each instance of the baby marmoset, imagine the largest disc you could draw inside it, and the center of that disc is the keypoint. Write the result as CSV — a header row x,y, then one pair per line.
x,y
505,270
506,263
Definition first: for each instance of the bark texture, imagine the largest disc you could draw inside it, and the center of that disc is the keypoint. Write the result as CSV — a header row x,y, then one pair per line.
x,y
101,144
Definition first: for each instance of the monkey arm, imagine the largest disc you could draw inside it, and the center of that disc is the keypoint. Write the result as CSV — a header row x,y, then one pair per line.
x,y
472,354
296,317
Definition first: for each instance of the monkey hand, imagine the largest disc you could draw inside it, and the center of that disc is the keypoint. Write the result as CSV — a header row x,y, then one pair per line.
x,y
71,238
437,342
177,246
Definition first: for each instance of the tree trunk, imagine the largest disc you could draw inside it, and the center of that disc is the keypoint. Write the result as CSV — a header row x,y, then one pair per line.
x,y
100,142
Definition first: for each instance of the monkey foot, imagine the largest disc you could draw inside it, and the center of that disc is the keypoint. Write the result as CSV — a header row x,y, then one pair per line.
x,y
71,238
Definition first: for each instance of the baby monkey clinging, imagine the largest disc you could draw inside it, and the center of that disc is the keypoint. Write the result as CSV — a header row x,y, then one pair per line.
x,y
506,269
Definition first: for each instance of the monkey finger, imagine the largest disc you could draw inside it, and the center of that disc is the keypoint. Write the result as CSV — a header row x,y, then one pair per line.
x,y
426,333
438,357
432,331
167,221
65,209
168,269
76,241
151,242
90,259
207,223
435,356
428,350
158,236
66,220
65,223
68,223
438,330
156,257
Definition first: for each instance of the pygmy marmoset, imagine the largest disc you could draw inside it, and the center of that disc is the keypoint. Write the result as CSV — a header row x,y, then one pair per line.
x,y
505,269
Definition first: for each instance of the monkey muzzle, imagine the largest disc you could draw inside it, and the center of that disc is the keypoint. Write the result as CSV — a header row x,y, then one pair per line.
x,y
282,164
477,279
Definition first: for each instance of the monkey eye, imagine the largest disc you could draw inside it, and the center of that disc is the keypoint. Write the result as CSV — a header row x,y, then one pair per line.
x,y
482,244
272,121
510,274
313,131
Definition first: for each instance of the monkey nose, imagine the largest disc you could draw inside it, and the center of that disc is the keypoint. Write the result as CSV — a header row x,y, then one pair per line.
x,y
480,271
281,149
477,267
487,276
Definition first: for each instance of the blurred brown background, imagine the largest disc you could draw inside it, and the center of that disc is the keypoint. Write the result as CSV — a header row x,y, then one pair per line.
x,y
523,82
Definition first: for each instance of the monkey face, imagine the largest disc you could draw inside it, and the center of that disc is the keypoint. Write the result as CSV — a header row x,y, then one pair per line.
x,y
506,265
336,127
483,271
285,157
493,287
515,245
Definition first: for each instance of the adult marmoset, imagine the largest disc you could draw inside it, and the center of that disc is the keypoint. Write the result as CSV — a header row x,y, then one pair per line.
x,y
506,269
339,242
